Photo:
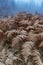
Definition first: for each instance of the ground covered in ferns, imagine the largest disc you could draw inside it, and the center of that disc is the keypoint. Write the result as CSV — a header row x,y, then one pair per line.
x,y
21,40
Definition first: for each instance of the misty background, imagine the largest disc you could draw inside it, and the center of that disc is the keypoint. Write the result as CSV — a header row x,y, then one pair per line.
x,y
12,7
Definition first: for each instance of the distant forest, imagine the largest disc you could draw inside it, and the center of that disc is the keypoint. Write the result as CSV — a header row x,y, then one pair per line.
x,y
6,7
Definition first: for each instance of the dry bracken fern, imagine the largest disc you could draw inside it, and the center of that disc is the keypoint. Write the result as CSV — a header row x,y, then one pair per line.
x,y
36,58
26,49
21,40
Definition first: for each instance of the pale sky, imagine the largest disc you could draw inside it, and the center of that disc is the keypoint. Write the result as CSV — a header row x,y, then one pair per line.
x,y
36,2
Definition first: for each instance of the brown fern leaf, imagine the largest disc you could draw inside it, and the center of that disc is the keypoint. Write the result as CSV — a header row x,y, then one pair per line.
x,y
39,36
26,49
36,58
